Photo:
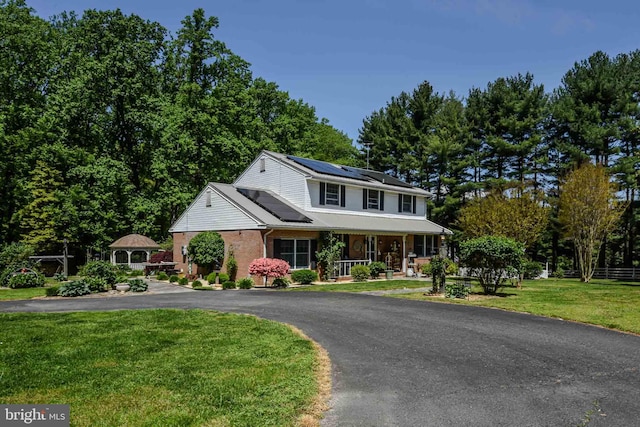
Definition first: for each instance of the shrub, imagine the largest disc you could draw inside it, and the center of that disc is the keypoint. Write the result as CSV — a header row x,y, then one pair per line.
x,y
174,278
360,273
531,269
14,257
451,268
245,283
207,250
136,273
137,285
281,282
232,265
196,283
376,268
162,276
183,281
53,291
559,273
304,277
426,269
60,277
491,259
100,269
269,267
228,284
456,290
26,280
211,278
74,289
223,277
95,284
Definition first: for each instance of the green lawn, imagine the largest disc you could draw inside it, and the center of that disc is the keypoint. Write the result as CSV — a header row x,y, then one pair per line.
x,y
159,367
11,294
606,303
376,285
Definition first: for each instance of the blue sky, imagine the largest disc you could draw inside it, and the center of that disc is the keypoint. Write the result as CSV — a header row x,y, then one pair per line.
x,y
348,58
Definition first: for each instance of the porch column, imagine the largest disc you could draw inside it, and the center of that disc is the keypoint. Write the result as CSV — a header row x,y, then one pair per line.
x,y
404,253
129,258
148,256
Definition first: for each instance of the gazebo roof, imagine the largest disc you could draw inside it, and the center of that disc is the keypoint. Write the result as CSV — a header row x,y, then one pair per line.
x,y
134,241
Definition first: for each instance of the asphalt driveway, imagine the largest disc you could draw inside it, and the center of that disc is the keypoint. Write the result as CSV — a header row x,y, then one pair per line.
x,y
410,363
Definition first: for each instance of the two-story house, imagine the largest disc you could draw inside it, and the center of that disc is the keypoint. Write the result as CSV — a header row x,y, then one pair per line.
x,y
280,204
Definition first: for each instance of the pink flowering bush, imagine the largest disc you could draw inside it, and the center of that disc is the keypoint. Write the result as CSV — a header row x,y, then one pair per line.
x,y
269,267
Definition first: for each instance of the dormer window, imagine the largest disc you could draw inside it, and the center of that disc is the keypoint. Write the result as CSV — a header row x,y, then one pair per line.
x,y
406,203
332,194
372,199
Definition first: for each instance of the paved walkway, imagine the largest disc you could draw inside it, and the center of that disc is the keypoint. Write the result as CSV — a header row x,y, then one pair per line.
x,y
411,363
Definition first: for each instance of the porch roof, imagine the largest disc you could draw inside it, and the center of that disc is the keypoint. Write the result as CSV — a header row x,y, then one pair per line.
x,y
348,223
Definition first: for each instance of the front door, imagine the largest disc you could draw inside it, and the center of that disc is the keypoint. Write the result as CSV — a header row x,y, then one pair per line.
x,y
372,248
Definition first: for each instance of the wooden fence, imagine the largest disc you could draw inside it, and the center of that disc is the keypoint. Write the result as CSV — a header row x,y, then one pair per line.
x,y
609,273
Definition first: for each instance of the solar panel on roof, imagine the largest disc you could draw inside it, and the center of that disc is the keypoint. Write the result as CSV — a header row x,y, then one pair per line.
x,y
326,168
279,209
379,176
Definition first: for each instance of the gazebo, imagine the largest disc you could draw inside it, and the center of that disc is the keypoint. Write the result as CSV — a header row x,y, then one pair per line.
x,y
132,250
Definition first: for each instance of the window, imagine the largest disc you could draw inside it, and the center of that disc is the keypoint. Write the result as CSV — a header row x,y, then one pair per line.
x,y
332,194
406,203
424,245
299,253
207,199
372,199
263,166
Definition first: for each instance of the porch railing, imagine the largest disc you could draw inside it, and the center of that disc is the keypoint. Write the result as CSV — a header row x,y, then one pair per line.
x,y
609,273
343,268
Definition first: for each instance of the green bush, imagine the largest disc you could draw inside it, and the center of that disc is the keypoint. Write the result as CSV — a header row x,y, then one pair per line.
x,y
456,290
531,269
207,250
451,268
376,268
426,269
100,269
137,285
228,284
60,277
211,278
96,284
245,283
232,266
281,282
360,273
26,280
196,283
162,276
559,273
183,281
53,291
74,289
14,257
304,277
223,277
173,278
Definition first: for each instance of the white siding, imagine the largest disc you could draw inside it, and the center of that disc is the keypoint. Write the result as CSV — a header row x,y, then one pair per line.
x,y
283,180
354,202
220,216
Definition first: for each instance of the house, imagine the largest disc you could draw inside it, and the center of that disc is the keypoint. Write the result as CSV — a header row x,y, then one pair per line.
x,y
279,206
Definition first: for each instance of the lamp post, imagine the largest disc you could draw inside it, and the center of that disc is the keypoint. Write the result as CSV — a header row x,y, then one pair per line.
x,y
443,244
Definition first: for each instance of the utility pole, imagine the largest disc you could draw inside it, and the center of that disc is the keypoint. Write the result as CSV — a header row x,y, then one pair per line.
x,y
367,146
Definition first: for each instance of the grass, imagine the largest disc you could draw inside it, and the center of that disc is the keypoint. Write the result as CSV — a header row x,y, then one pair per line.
x,y
376,285
7,294
160,367
605,303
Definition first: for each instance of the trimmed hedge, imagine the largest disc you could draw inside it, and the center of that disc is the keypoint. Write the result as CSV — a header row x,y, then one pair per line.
x,y
245,283
360,273
228,285
304,277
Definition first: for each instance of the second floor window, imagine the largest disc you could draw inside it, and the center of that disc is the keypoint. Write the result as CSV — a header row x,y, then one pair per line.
x,y
406,203
372,199
333,195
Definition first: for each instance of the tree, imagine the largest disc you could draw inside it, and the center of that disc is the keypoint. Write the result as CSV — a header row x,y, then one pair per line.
x,y
269,267
207,250
521,216
589,210
492,260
